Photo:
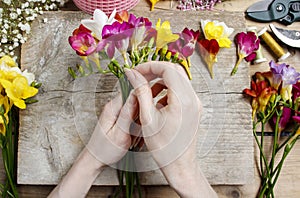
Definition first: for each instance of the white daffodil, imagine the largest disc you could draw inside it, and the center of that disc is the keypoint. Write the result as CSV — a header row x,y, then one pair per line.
x,y
100,19
217,30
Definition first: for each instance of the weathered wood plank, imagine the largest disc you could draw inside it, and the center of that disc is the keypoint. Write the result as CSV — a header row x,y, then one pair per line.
x,y
54,130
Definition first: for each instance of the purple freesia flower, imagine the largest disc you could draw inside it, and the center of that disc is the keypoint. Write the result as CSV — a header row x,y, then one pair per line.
x,y
277,72
117,36
289,76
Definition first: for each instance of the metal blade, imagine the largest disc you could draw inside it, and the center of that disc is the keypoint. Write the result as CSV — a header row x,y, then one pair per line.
x,y
289,37
265,16
260,6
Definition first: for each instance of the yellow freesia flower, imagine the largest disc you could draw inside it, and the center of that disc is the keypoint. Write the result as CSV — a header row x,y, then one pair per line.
x,y
4,103
217,30
7,60
164,34
153,2
17,90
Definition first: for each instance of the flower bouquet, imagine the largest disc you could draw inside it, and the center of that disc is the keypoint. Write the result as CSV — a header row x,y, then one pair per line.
x,y
17,88
275,100
122,40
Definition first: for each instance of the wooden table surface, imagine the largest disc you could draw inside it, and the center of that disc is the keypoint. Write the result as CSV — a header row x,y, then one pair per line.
x,y
287,185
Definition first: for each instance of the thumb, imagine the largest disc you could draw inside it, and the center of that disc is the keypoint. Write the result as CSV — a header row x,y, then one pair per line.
x,y
143,93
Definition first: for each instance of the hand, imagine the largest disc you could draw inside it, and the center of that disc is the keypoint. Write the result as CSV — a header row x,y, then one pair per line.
x,y
108,144
170,127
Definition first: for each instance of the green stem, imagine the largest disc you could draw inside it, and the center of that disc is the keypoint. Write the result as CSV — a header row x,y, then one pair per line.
x,y
234,70
262,157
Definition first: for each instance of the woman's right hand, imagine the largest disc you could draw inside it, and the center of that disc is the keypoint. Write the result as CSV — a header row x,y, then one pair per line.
x,y
170,126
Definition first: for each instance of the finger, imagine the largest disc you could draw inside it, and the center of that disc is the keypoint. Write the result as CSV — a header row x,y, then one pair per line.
x,y
154,69
143,93
127,114
110,113
173,76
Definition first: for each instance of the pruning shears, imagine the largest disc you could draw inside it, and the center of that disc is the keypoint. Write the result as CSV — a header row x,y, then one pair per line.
x,y
283,11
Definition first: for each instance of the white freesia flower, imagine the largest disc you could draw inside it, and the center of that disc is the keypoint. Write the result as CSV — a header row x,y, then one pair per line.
x,y
100,19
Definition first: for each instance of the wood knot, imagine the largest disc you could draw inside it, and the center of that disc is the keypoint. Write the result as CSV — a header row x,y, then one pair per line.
x,y
235,194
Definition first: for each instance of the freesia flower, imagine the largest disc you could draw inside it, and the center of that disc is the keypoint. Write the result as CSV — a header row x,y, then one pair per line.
x,y
18,90
141,28
4,104
277,71
9,70
289,77
153,2
164,35
100,19
122,16
117,36
284,119
83,43
208,50
185,47
247,44
296,91
261,93
218,31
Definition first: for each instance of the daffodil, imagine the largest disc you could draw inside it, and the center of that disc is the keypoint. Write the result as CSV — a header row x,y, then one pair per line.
x,y
164,35
218,31
153,2
18,90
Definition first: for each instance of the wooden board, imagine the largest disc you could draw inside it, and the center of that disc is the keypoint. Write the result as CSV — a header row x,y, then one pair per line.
x,y
54,130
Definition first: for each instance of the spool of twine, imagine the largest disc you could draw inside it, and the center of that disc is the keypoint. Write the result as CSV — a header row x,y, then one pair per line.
x,y
259,55
273,45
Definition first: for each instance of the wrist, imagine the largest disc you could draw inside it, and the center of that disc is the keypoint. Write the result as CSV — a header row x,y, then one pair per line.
x,y
187,180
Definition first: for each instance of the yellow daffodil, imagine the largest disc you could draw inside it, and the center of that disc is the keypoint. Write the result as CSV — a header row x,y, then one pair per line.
x,y
153,2
218,31
17,90
164,35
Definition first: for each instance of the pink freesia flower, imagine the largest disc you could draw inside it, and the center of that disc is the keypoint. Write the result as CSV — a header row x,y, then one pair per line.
x,y
184,47
82,41
296,91
247,44
117,37
284,119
